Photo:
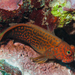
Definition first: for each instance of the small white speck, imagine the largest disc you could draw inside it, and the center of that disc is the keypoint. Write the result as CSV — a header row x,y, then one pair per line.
x,y
45,18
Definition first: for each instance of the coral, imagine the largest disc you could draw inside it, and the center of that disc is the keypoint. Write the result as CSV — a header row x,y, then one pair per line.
x,y
7,69
48,14
19,54
10,4
39,8
37,3
70,5
44,18
12,11
14,15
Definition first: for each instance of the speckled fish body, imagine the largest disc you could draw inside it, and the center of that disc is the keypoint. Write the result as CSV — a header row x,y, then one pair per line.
x,y
41,40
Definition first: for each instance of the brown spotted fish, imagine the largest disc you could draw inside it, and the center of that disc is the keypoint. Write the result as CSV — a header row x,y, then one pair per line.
x,y
42,41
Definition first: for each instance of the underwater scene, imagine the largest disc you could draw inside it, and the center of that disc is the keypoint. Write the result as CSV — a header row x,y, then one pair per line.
x,y
37,37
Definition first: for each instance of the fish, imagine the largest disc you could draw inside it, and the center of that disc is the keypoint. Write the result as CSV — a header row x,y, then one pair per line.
x,y
42,41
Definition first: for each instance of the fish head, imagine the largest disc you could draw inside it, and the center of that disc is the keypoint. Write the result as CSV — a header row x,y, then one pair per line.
x,y
65,52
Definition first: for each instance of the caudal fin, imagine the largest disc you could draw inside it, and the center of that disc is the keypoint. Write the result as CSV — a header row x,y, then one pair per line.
x,y
1,35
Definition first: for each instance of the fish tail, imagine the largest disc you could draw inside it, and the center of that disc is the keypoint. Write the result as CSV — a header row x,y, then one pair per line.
x,y
1,34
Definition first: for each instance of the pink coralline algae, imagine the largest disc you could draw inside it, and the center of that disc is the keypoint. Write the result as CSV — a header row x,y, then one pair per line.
x,y
13,11
18,55
10,4
70,6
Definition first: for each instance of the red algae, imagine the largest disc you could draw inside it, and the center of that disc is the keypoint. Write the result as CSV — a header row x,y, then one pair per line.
x,y
36,3
20,54
44,18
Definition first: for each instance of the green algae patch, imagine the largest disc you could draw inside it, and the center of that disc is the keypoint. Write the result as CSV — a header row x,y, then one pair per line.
x,y
65,17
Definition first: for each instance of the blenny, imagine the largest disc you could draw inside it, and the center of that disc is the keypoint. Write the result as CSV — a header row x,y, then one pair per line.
x,y
42,41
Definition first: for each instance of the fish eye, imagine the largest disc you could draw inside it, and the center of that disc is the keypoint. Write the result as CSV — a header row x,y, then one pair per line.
x,y
68,52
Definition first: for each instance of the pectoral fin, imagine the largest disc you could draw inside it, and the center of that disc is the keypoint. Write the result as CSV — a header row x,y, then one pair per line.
x,y
39,59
